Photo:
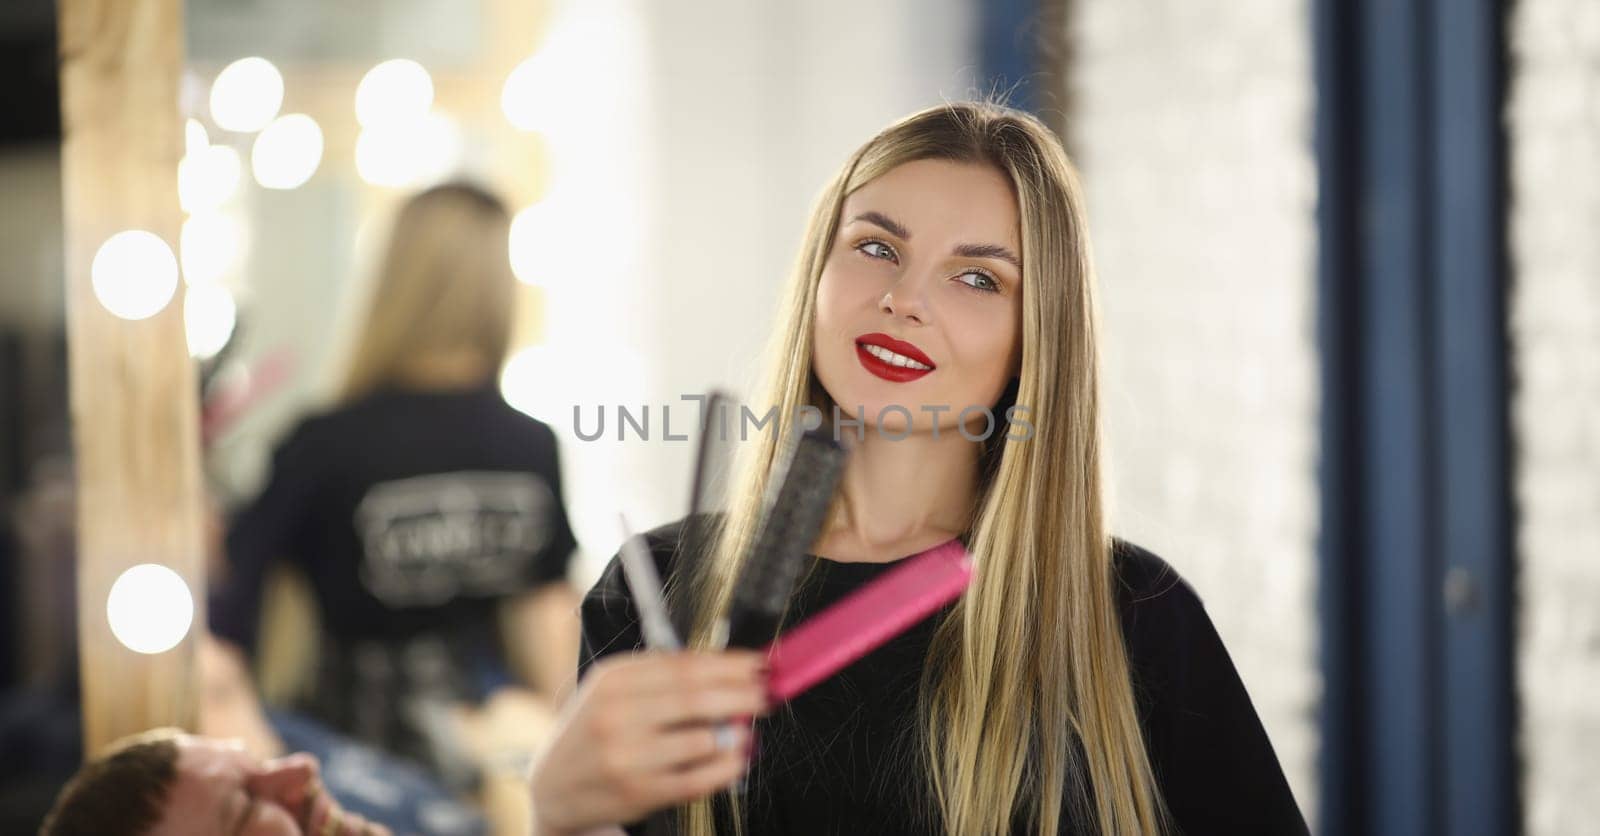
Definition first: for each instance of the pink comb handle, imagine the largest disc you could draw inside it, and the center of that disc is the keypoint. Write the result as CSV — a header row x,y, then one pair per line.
x,y
866,618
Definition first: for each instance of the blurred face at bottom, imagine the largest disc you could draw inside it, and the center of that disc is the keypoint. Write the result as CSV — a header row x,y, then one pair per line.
x,y
222,789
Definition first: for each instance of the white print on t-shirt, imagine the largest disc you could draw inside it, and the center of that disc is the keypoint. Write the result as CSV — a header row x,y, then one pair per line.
x,y
430,538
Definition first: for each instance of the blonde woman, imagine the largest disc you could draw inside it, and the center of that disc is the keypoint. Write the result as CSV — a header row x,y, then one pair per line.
x,y
425,513
1078,686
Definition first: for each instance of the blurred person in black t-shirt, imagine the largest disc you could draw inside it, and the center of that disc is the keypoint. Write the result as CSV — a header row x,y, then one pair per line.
x,y
425,513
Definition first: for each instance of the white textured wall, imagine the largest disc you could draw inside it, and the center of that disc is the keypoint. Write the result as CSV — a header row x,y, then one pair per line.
x,y
1554,125
1191,122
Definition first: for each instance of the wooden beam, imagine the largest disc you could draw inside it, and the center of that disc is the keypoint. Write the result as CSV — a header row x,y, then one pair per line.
x,y
134,404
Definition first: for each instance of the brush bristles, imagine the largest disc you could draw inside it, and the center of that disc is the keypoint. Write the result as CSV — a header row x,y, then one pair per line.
x,y
793,524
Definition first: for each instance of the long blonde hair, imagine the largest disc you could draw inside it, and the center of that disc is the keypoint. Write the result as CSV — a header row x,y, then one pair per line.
x,y
445,283
1022,709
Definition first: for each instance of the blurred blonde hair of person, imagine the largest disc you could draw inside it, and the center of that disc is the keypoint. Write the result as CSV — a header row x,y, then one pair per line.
x,y
440,310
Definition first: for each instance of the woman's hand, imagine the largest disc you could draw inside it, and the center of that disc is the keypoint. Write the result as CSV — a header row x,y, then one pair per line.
x,y
642,734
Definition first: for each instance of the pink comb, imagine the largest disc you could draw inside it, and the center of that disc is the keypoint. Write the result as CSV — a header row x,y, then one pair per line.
x,y
866,618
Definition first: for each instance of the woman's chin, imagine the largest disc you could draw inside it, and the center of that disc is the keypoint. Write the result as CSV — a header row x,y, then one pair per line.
x,y
886,419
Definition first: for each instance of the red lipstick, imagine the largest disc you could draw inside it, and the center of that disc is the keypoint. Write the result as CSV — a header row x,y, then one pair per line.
x,y
888,370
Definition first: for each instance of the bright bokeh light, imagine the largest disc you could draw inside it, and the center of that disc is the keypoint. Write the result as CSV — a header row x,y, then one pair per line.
x,y
211,247
526,242
394,92
540,234
595,170
246,95
150,608
287,153
383,158
409,154
527,93
593,198
195,138
207,178
538,94
550,240
134,274
209,314
529,380
598,42
543,382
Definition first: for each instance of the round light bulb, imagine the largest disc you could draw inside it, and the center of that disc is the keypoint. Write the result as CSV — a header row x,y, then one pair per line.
x,y
134,274
287,153
209,315
396,91
525,378
195,138
150,608
246,95
532,94
207,178
410,154
531,243
211,246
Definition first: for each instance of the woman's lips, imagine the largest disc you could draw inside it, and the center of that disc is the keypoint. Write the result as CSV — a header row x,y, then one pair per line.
x,y
900,347
887,371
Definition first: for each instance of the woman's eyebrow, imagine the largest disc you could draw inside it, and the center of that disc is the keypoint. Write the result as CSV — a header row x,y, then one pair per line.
x,y
882,220
989,251
895,228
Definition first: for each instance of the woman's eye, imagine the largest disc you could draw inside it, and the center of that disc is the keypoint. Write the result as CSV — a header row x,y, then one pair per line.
x,y
877,249
979,281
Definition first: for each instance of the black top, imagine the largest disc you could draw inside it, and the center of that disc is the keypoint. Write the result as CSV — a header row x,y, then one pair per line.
x,y
412,515
833,760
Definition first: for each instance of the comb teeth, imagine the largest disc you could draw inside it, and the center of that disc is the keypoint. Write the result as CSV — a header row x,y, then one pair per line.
x,y
792,525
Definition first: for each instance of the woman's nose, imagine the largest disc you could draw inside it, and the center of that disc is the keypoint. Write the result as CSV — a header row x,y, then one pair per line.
x,y
906,298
